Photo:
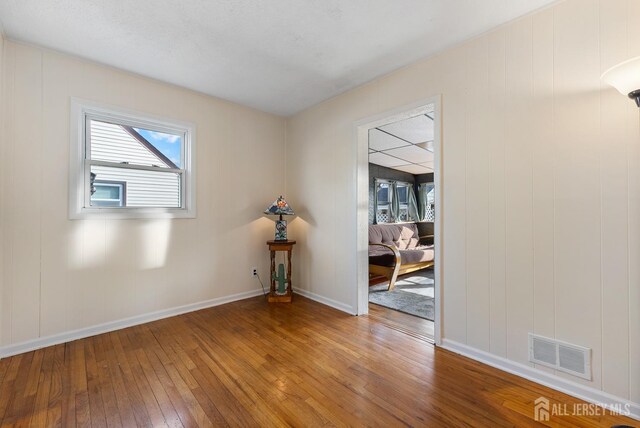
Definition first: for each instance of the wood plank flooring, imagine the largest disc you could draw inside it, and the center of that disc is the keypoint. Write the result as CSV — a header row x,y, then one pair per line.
x,y
250,363
409,324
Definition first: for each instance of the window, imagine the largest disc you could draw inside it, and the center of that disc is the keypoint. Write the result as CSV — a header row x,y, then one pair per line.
x,y
383,206
427,201
392,195
108,194
125,165
403,199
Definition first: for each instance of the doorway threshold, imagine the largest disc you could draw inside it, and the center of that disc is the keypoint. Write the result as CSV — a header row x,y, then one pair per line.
x,y
410,325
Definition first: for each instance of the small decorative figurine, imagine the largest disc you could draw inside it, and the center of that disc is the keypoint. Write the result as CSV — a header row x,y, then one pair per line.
x,y
282,282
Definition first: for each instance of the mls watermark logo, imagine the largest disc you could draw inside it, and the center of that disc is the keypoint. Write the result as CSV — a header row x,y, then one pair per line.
x,y
541,409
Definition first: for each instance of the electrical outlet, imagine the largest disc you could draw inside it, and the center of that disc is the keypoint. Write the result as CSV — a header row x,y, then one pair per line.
x,y
254,271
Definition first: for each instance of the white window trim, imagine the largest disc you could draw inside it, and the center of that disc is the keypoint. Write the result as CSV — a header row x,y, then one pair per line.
x,y
79,169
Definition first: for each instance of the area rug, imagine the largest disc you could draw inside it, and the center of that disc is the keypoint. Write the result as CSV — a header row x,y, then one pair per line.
x,y
413,294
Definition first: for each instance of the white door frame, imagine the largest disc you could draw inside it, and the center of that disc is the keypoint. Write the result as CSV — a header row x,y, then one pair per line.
x,y
362,200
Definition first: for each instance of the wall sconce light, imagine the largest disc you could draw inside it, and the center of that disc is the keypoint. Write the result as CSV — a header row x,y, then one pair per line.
x,y
625,77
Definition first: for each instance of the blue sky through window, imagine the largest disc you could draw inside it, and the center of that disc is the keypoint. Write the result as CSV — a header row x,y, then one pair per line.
x,y
169,145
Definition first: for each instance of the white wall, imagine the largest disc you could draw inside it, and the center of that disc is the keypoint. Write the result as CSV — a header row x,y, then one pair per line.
x,y
2,123
541,181
59,274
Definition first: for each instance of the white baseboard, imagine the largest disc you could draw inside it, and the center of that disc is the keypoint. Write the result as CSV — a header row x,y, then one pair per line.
x,y
574,389
325,301
42,342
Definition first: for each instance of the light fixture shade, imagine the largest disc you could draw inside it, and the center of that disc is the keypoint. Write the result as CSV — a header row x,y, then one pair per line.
x,y
625,77
279,207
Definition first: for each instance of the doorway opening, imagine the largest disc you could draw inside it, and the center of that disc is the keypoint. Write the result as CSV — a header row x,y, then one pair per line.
x,y
398,218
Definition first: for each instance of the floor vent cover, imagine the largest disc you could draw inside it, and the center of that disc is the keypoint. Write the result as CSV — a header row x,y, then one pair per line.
x,y
565,357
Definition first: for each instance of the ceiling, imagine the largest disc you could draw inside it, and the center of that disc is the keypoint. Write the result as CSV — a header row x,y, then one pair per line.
x,y
279,56
406,145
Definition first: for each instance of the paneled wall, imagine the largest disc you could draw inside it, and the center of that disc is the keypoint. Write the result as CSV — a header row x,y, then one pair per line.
x,y
424,178
2,123
59,275
541,183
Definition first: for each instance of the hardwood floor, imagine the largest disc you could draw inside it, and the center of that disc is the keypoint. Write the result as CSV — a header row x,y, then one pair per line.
x,y
250,363
410,324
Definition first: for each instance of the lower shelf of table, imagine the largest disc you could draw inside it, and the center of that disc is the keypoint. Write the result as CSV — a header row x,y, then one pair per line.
x,y
277,298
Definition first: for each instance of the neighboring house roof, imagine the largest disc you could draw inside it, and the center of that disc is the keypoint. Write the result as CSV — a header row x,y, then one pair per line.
x,y
119,143
135,134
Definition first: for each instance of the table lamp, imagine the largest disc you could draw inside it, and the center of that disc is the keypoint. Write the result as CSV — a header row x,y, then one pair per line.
x,y
280,207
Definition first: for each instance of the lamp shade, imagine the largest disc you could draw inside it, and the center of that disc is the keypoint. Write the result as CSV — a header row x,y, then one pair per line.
x,y
625,77
279,207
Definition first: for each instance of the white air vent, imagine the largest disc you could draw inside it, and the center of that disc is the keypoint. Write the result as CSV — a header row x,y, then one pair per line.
x,y
568,358
545,351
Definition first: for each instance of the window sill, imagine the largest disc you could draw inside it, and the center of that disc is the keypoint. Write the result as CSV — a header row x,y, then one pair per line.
x,y
131,213
397,222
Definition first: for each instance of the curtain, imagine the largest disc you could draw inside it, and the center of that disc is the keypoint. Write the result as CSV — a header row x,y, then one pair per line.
x,y
413,205
376,184
395,202
422,202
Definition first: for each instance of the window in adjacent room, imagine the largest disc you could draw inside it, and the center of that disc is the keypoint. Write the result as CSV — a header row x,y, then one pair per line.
x,y
126,165
403,200
383,206
427,201
394,200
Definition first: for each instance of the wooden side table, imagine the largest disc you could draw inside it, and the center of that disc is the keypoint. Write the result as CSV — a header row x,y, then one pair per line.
x,y
280,246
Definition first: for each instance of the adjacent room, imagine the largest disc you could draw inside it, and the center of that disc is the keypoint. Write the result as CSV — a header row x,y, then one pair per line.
x,y
401,221
330,213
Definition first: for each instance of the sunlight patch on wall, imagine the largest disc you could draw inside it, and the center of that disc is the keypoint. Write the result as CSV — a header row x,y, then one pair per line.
x,y
155,237
89,245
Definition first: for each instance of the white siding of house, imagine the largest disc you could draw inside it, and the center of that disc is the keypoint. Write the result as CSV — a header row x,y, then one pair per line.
x,y
144,188
110,142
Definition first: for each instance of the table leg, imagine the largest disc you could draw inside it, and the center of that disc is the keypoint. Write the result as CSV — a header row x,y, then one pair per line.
x,y
289,271
272,289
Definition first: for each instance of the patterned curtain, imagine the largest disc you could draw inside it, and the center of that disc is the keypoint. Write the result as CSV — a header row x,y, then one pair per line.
x,y
395,202
376,184
422,202
413,204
